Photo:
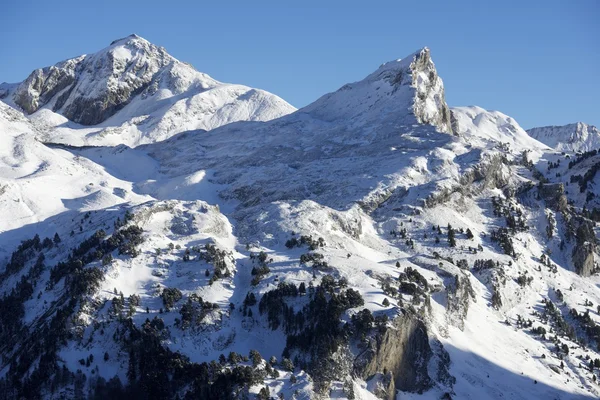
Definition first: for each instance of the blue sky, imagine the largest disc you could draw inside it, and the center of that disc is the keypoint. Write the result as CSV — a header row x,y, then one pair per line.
x,y
537,61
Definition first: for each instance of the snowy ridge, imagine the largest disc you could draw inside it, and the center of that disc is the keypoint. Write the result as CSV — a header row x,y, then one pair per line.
x,y
578,137
493,126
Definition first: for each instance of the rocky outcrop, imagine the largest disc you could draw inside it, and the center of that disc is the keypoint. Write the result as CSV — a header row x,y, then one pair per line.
x,y
584,259
429,105
459,295
585,248
43,84
554,196
402,352
491,173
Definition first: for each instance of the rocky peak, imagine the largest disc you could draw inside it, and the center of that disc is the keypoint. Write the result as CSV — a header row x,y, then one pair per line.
x,y
131,37
418,72
407,90
89,89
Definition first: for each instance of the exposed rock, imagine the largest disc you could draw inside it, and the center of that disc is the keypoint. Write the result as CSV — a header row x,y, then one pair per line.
x,y
430,103
376,200
490,173
583,259
459,295
403,351
441,368
43,84
554,196
585,247
554,368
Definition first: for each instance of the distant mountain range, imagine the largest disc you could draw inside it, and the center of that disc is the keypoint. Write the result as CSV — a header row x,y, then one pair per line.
x,y
578,137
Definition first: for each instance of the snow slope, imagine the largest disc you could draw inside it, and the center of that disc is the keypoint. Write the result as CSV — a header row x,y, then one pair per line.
x,y
37,182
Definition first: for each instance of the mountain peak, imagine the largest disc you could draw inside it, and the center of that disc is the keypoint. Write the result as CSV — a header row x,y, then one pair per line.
x,y
404,63
135,43
408,90
130,81
127,39
91,88
577,136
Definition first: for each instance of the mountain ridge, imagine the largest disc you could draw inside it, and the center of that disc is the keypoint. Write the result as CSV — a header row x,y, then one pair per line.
x,y
578,136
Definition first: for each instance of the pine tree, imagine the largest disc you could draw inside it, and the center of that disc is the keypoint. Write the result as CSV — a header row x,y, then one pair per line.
x,y
302,289
255,357
451,237
264,394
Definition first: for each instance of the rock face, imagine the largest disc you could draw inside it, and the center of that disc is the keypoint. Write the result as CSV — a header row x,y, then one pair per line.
x,y
490,173
554,196
583,259
459,295
43,84
430,102
403,352
585,248
571,137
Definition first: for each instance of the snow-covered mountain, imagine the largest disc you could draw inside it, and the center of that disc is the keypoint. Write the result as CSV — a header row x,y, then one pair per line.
x,y
407,90
374,244
578,137
133,92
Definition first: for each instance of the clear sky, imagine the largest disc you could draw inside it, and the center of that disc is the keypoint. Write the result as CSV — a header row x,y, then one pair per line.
x,y
537,61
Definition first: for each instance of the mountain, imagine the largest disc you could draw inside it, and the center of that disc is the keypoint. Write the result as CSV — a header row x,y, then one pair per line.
x,y
408,88
578,137
133,92
373,244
